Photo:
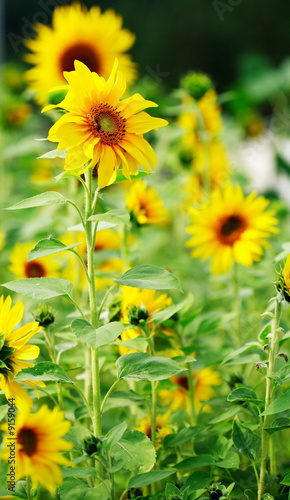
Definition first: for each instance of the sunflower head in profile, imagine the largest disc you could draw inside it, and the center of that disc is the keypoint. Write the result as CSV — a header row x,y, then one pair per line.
x,y
144,204
37,268
231,227
283,281
39,445
77,33
15,354
99,129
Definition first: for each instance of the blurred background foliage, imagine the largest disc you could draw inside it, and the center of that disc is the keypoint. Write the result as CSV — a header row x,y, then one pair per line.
x,y
213,36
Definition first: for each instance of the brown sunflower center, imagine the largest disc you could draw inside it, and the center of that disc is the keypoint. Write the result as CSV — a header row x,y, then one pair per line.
x,y
231,229
34,269
80,52
106,123
27,438
183,382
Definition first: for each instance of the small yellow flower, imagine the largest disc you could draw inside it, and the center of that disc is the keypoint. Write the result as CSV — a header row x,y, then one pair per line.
x,y
14,353
89,36
39,445
231,227
283,283
144,204
163,428
99,129
38,268
204,381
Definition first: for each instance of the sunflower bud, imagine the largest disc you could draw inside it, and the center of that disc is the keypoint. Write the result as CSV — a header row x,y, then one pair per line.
x,y
45,315
196,84
137,314
92,445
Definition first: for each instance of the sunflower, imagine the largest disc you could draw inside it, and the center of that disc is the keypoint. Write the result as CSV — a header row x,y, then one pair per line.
x,y
128,334
231,227
147,299
206,109
14,352
144,204
89,36
163,428
37,268
101,129
204,381
38,446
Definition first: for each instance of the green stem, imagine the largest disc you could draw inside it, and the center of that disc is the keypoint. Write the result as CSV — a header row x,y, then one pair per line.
x,y
84,399
96,387
192,415
108,394
105,298
51,351
268,400
28,488
237,306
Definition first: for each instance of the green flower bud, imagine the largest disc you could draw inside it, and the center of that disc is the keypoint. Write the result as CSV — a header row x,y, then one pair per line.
x,y
196,84
44,314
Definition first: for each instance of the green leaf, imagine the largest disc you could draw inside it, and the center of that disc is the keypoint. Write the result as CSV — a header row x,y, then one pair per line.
x,y
141,480
281,376
172,493
230,412
79,472
115,217
48,246
73,489
136,452
143,366
182,436
278,425
44,371
41,288
250,495
121,177
54,153
231,461
244,394
40,200
3,411
267,496
96,337
164,315
149,278
197,481
246,347
282,403
76,435
286,480
246,442
123,398
195,462
100,492
114,435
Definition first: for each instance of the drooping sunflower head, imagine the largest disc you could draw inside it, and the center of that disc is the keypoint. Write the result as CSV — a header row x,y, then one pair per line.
x,y
144,204
99,129
89,36
37,268
231,227
15,354
39,446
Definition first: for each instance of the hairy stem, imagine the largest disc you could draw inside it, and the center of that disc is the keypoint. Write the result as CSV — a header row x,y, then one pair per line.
x,y
268,400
